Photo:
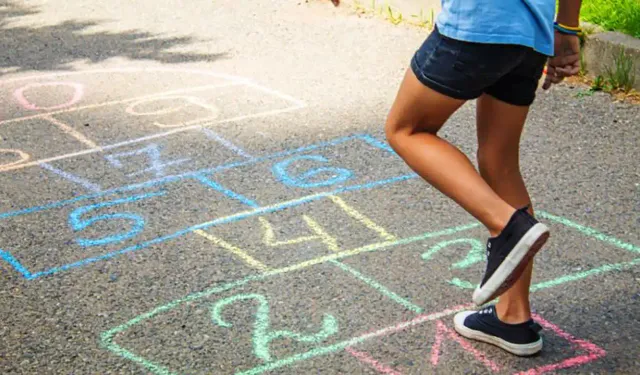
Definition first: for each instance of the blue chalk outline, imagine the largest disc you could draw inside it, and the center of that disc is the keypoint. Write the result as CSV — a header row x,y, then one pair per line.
x,y
6,256
79,224
173,178
280,171
229,193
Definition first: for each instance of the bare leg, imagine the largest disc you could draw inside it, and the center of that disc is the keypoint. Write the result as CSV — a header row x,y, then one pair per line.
x,y
500,127
412,125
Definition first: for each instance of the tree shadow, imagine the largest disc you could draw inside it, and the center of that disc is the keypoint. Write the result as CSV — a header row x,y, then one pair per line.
x,y
56,47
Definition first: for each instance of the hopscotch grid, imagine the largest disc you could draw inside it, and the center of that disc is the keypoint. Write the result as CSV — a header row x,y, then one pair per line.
x,y
235,217
69,130
158,95
178,177
107,336
332,244
145,138
228,219
363,219
236,81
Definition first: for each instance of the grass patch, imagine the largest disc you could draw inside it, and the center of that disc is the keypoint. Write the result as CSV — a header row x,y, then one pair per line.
x,y
613,15
622,75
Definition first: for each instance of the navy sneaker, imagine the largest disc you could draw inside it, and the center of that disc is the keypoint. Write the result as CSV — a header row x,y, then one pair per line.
x,y
509,253
483,325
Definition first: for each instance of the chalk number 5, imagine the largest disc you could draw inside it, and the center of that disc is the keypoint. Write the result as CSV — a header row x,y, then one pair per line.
x,y
78,224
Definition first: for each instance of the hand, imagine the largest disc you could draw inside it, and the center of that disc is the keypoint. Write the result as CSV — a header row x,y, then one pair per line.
x,y
566,59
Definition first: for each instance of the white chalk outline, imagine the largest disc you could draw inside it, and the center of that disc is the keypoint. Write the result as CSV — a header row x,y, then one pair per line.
x,y
298,104
20,153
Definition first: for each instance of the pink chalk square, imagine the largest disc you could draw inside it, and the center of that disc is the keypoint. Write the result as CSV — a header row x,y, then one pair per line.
x,y
591,352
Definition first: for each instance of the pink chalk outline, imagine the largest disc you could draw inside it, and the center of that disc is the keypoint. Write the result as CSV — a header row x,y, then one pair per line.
x,y
594,352
441,329
366,358
77,95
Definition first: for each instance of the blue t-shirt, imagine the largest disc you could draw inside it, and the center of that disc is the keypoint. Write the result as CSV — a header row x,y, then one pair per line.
x,y
523,22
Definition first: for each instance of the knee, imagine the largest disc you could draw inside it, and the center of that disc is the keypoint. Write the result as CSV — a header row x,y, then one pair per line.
x,y
392,131
396,131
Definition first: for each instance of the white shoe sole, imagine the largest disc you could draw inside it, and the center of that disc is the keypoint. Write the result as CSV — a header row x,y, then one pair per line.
x,y
522,350
513,266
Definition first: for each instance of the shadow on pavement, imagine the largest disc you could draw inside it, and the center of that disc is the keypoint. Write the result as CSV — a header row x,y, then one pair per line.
x,y
54,47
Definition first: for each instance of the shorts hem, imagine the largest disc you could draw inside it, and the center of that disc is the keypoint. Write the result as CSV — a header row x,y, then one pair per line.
x,y
518,103
440,88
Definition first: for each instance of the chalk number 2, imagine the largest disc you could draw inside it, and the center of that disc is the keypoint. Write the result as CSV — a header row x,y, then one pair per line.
x,y
262,332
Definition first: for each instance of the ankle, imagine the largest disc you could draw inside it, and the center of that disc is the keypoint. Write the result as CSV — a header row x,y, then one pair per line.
x,y
513,313
500,221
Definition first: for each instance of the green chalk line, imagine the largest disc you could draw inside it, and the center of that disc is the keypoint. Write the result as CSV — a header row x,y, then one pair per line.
x,y
590,232
107,337
380,288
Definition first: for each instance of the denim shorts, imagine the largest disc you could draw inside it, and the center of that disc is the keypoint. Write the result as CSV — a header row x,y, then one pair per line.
x,y
464,70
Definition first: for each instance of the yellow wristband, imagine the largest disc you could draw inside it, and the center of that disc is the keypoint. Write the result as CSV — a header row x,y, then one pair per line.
x,y
578,28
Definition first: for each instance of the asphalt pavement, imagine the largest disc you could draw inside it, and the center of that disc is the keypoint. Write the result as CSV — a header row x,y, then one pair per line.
x,y
204,187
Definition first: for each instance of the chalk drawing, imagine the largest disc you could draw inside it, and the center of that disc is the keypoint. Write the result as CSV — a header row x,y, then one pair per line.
x,y
248,259
295,104
78,93
220,168
338,175
79,224
378,143
594,352
68,129
189,99
380,288
475,255
118,102
590,232
362,219
226,143
13,262
366,358
262,332
332,244
21,154
225,220
73,178
152,152
215,222
229,193
270,237
320,235
107,337
441,330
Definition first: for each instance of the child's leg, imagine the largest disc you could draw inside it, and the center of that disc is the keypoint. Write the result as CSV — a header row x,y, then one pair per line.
x,y
500,126
415,118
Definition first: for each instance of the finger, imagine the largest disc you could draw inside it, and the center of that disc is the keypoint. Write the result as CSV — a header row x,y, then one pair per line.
x,y
547,78
567,60
568,71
